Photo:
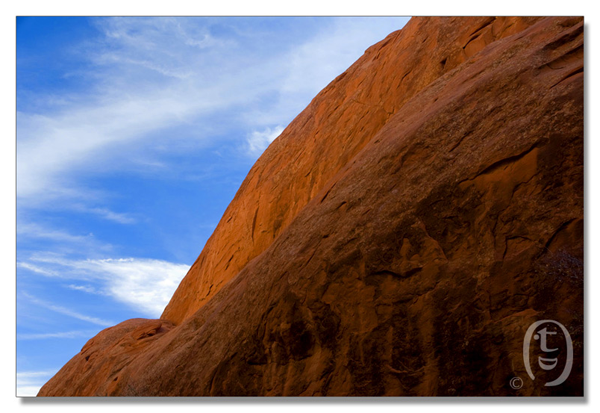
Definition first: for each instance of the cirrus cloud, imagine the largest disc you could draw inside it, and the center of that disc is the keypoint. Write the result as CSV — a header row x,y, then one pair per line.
x,y
144,284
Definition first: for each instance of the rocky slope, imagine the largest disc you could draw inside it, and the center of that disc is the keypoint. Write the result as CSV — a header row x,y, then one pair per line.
x,y
398,238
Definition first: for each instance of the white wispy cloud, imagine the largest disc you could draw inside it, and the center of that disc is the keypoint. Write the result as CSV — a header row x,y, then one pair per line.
x,y
67,311
109,215
318,61
144,284
58,241
29,383
259,140
85,288
37,269
29,229
307,68
62,334
26,390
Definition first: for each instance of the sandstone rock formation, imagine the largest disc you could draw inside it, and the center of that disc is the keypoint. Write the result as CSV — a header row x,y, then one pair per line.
x,y
398,238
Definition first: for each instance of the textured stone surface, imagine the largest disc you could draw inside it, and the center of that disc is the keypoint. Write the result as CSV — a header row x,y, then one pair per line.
x,y
398,238
324,138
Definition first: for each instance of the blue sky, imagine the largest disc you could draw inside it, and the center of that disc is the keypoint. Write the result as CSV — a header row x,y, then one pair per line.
x,y
133,135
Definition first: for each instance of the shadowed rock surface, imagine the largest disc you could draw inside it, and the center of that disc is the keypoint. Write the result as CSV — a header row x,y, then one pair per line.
x,y
398,238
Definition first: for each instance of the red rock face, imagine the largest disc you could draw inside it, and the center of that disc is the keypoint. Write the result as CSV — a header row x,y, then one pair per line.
x,y
398,238
324,138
